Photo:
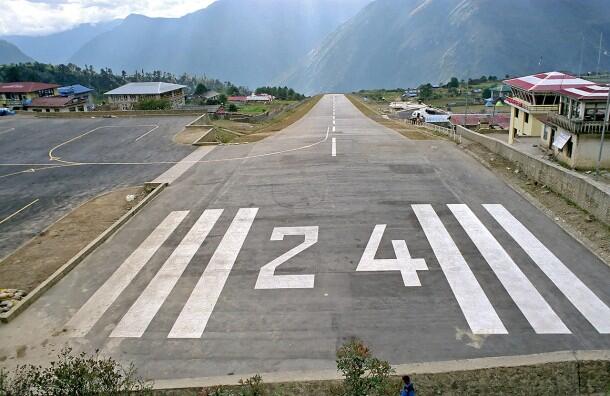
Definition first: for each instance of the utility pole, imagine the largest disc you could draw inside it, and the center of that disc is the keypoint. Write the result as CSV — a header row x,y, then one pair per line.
x,y
599,53
582,50
604,127
466,111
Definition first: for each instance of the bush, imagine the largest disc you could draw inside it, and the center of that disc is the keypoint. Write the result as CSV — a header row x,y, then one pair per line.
x,y
232,108
153,104
251,387
364,374
73,375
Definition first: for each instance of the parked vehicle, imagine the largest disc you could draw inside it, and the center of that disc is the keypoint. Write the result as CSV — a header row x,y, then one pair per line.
x,y
5,112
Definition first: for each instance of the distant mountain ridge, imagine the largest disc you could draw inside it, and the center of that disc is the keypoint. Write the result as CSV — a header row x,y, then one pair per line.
x,y
59,47
247,42
399,43
10,53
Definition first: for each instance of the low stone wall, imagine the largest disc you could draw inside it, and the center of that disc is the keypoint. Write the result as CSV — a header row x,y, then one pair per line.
x,y
117,113
589,195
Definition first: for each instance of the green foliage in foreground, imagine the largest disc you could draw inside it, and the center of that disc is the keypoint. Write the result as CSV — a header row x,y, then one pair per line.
x,y
73,375
363,375
153,104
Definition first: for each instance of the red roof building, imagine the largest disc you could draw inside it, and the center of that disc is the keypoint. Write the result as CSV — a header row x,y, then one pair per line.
x,y
16,95
26,87
57,104
238,99
547,82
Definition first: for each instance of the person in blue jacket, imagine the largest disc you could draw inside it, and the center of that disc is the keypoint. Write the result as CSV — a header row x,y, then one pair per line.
x,y
408,389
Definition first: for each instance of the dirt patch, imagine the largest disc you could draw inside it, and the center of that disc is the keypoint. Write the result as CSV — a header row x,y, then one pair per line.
x,y
34,262
593,233
189,135
409,131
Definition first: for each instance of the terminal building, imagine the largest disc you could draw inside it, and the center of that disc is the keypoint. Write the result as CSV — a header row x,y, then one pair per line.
x,y
128,95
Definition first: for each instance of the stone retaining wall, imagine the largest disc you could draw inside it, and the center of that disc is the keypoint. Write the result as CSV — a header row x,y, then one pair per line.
x,y
587,194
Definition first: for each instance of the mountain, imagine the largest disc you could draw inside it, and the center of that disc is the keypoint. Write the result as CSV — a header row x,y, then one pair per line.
x,y
401,43
245,41
9,53
59,47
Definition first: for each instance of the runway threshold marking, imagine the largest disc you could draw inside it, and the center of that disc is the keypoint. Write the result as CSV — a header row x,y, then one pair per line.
x,y
476,307
86,317
589,305
137,319
533,306
196,313
19,211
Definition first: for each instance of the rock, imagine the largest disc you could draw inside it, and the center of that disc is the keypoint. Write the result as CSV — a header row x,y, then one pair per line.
x,y
7,304
588,219
130,198
4,296
517,171
507,168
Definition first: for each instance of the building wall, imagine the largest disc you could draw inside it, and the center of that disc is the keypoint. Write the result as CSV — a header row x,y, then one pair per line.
x,y
127,102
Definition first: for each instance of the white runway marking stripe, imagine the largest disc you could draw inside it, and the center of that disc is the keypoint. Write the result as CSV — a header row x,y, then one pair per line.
x,y
334,147
178,170
591,307
533,306
477,309
142,312
195,314
104,297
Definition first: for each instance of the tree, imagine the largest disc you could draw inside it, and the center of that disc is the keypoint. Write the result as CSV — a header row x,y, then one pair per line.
x,y
200,89
486,93
222,98
425,91
453,83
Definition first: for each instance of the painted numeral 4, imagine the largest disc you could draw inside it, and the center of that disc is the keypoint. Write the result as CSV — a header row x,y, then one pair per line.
x,y
403,262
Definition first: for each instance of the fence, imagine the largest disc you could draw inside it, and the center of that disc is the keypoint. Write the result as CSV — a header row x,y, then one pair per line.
x,y
449,132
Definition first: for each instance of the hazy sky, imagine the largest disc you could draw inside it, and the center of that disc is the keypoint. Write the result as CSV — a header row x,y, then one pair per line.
x,y
34,17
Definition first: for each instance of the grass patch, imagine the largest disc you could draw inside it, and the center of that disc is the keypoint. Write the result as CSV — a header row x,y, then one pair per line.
x,y
255,132
409,131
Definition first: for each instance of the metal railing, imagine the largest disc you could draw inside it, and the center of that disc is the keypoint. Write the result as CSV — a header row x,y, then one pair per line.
x,y
576,126
449,132
534,109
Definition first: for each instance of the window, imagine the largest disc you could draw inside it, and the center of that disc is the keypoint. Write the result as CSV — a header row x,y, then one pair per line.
x,y
516,112
57,110
545,134
568,148
527,117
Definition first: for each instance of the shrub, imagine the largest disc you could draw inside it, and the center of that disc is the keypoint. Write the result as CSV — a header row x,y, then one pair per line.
x,y
251,387
73,375
153,104
364,374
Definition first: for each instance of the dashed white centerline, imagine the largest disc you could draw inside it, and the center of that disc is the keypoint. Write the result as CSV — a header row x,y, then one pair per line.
x,y
334,147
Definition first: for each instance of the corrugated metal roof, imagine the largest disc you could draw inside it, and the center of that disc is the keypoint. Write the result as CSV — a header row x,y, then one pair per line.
x,y
75,89
51,101
547,82
25,87
590,92
145,88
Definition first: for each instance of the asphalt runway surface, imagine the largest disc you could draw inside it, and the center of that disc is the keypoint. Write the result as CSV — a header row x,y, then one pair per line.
x,y
38,186
267,257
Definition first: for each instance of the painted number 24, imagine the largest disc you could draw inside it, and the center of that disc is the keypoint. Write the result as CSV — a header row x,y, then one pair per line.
x,y
407,266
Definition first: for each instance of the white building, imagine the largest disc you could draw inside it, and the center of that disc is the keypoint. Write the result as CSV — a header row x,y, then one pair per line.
x,y
125,97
